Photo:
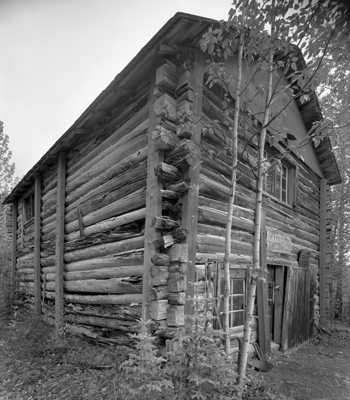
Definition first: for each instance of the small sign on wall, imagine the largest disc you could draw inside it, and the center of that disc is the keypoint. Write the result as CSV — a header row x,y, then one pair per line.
x,y
304,259
278,243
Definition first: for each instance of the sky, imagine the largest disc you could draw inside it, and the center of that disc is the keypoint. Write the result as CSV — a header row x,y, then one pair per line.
x,y
58,55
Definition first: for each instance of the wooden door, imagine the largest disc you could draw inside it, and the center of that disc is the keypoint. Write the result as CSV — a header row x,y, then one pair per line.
x,y
298,307
275,291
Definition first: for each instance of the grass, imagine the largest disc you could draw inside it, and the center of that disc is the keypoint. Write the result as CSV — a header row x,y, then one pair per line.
x,y
38,364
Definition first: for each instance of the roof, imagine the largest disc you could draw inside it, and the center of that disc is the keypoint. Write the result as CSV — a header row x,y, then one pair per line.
x,y
182,29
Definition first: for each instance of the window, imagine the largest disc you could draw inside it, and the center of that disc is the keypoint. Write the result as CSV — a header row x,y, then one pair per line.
x,y
29,207
279,179
237,298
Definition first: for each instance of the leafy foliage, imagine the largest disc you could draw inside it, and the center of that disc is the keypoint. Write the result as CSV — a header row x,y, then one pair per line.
x,y
196,368
143,375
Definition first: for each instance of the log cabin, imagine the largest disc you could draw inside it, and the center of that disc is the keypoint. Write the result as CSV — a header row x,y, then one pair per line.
x,y
124,216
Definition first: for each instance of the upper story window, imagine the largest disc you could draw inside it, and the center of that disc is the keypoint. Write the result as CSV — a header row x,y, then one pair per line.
x,y
280,179
28,206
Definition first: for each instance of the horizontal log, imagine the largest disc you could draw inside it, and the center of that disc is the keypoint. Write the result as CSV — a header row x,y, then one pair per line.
x,y
132,123
25,278
105,273
107,262
216,231
102,322
110,286
238,259
123,184
210,216
121,154
52,193
25,271
108,224
25,257
121,206
49,218
25,265
117,299
48,270
211,242
47,261
122,149
126,164
105,249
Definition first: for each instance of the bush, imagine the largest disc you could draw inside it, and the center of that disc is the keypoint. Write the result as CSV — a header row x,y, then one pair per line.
x,y
196,368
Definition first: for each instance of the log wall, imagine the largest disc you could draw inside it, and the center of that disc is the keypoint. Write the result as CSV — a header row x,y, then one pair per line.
x,y
120,247
290,228
104,226
24,273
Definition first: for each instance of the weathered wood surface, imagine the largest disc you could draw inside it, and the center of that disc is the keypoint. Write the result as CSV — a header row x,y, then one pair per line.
x,y
108,299
90,153
103,322
103,273
107,286
127,163
124,148
117,208
106,262
104,249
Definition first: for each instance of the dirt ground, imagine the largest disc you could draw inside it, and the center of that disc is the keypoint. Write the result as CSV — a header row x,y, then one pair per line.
x,y
316,371
35,367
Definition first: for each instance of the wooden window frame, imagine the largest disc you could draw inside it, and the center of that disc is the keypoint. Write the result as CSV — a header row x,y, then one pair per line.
x,y
236,274
291,179
28,208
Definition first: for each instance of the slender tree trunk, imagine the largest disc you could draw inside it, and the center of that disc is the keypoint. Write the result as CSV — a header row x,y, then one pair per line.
x,y
234,139
256,273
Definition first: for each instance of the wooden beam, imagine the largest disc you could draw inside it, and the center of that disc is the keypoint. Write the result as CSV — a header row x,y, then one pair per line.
x,y
37,272
14,251
322,275
262,300
191,197
61,186
153,204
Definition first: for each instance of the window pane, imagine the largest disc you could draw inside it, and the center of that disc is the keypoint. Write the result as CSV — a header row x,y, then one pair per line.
x,y
237,318
237,286
284,196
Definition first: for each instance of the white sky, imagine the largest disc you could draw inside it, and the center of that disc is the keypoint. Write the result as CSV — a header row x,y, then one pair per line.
x,y
58,55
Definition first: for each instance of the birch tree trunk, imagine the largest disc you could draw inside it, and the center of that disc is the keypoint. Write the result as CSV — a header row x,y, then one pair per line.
x,y
256,273
234,138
